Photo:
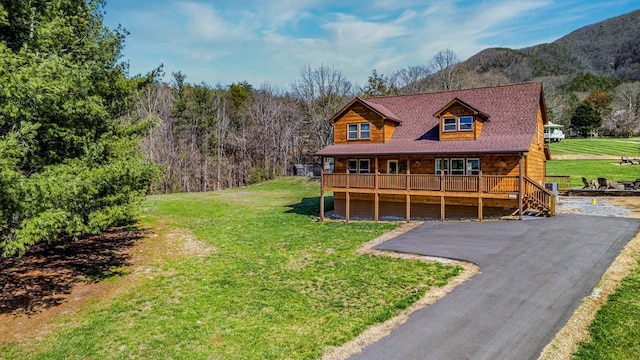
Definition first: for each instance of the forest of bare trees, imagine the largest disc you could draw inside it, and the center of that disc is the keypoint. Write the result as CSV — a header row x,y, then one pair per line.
x,y
209,138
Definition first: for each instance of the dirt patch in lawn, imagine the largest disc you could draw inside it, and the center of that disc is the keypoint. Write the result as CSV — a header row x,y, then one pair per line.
x,y
576,330
584,157
53,280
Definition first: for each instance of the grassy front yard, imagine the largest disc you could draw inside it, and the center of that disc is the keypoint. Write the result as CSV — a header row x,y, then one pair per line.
x,y
262,280
615,333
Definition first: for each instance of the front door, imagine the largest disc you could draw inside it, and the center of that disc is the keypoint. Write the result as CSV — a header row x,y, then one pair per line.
x,y
392,166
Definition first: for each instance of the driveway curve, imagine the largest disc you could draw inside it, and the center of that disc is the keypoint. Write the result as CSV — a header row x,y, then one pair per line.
x,y
533,275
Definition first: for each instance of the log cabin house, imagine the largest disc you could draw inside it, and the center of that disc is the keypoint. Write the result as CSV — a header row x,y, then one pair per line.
x,y
453,154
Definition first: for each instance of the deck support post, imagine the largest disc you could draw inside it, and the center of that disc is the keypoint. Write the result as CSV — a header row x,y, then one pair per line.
x,y
347,202
520,187
376,196
322,188
480,189
408,185
442,205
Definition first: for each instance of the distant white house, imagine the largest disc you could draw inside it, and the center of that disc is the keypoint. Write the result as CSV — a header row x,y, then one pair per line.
x,y
553,132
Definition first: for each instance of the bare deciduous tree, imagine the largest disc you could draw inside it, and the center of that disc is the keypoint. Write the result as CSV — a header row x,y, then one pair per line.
x,y
447,75
323,92
411,80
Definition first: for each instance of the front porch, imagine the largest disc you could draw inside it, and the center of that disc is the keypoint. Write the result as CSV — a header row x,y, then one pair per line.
x,y
460,191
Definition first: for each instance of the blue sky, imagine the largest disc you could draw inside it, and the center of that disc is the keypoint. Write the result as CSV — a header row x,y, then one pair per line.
x,y
262,41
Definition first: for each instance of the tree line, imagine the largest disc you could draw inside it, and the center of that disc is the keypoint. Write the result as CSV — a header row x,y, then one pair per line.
x,y
209,138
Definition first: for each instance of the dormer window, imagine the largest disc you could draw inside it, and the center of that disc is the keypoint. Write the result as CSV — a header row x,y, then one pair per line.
x,y
465,123
462,123
360,131
449,124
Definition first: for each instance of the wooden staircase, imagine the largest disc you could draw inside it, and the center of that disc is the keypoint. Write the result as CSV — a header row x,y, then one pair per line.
x,y
537,200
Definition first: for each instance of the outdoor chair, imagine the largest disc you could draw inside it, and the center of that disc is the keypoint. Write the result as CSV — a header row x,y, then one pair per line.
x,y
636,185
602,183
587,184
624,160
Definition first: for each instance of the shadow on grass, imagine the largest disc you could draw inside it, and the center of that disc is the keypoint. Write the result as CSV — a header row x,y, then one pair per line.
x,y
311,206
42,277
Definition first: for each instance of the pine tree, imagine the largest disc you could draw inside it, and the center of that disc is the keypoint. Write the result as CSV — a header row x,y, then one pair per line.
x,y
586,118
69,164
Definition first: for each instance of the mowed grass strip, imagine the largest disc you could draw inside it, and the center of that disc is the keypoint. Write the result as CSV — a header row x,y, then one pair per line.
x,y
275,284
593,169
615,332
614,147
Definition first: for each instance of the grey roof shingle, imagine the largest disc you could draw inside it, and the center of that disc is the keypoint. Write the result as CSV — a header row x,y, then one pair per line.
x,y
512,111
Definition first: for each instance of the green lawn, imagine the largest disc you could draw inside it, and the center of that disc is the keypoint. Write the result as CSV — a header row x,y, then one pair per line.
x,y
602,146
615,332
592,169
276,284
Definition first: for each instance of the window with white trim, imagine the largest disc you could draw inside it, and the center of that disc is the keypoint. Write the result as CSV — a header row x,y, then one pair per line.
x,y
352,131
465,123
449,124
365,131
473,166
392,166
462,123
359,131
442,164
458,166
359,166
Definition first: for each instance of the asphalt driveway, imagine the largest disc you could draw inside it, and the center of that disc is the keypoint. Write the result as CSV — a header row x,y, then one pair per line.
x,y
533,275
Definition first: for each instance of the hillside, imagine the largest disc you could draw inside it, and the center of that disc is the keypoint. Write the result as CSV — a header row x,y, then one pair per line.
x,y
610,48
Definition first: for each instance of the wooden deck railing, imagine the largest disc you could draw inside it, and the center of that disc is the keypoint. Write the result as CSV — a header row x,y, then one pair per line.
x,y
397,182
564,181
500,184
533,195
425,182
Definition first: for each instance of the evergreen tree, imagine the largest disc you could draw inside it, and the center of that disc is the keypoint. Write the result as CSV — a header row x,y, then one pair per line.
x,y
585,118
378,85
69,164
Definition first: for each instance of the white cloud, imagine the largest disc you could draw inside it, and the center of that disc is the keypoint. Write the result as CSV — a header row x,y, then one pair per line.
x,y
351,31
259,41
205,23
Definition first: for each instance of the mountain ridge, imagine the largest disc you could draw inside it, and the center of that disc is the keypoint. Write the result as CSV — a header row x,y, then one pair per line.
x,y
610,48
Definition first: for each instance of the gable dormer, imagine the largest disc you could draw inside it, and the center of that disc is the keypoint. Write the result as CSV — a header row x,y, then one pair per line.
x,y
460,121
362,121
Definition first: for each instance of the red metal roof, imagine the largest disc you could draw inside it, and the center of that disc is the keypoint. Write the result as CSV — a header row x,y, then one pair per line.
x,y
512,111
